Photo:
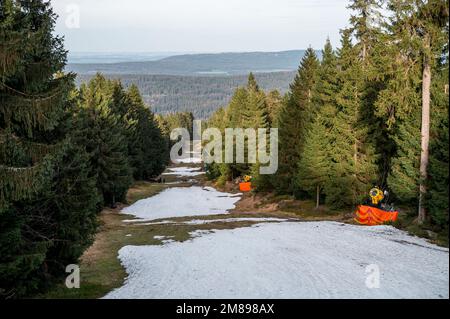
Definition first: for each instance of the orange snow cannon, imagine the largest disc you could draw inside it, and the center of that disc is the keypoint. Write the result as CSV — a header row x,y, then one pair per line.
x,y
375,213
246,185
372,216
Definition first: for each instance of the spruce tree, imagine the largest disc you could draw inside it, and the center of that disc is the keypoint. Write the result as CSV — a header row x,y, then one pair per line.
x,y
421,28
326,86
437,200
99,131
47,201
255,113
397,106
314,166
293,117
252,85
274,101
147,146
238,115
354,160
366,21
259,115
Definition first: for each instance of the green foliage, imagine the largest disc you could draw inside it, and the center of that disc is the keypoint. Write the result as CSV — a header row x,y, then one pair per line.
x,y
418,34
274,102
292,121
200,95
147,147
48,201
315,167
98,129
248,109
437,200
354,168
172,121
70,202
404,176
366,126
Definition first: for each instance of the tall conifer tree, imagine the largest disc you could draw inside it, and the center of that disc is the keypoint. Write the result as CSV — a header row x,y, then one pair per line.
x,y
100,132
421,28
315,161
354,169
47,198
293,117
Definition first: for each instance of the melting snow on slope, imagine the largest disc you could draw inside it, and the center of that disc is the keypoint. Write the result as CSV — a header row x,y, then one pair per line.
x,y
182,201
191,158
231,220
184,171
287,260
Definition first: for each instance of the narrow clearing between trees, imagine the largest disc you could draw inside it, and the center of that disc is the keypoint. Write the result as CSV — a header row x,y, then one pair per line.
x,y
273,258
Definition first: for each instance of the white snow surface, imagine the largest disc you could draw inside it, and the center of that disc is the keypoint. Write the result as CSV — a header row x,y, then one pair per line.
x,y
184,171
231,220
211,221
191,159
286,260
183,201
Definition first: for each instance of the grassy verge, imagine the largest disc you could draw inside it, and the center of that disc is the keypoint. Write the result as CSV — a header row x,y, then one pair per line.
x,y
407,222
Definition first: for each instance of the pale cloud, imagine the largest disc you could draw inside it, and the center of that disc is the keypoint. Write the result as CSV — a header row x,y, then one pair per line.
x,y
201,25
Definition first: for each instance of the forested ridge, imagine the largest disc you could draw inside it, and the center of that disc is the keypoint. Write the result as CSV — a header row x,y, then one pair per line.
x,y
228,63
200,95
359,117
64,152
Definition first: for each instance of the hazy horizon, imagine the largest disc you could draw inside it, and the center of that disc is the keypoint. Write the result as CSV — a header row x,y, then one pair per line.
x,y
78,57
198,26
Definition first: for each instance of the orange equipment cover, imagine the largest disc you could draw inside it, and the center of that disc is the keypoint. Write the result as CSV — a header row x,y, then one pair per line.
x,y
371,216
245,187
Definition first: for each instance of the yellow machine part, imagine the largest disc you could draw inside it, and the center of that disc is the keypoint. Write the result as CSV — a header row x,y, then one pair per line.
x,y
376,195
247,178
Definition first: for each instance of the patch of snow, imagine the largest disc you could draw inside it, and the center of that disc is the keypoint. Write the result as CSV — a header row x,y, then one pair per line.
x,y
184,171
162,237
287,260
184,174
231,220
182,201
165,239
195,159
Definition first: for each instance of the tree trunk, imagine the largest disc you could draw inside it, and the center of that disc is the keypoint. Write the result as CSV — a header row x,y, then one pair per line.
x,y
425,137
364,52
318,197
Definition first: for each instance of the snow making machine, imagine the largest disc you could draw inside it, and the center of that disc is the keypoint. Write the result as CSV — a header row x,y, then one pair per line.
x,y
246,185
376,211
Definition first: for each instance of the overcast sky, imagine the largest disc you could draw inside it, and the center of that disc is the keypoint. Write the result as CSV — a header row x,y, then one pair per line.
x,y
198,25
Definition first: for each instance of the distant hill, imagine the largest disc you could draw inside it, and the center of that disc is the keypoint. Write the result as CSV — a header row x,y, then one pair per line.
x,y
116,57
201,95
200,64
